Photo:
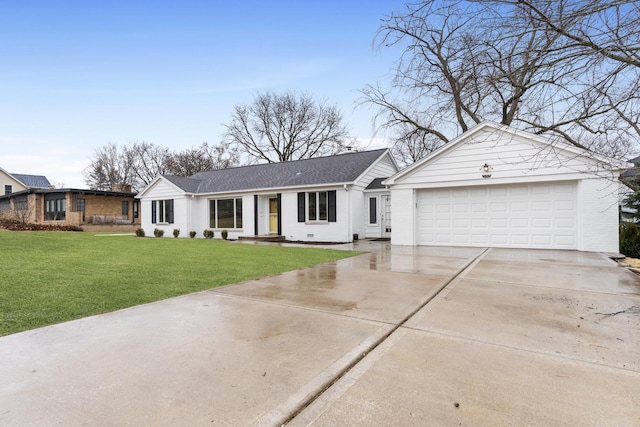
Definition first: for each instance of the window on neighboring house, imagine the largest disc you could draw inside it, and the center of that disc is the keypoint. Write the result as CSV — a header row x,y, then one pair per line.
x,y
5,205
162,211
55,207
136,209
8,189
125,209
225,213
320,206
80,207
20,203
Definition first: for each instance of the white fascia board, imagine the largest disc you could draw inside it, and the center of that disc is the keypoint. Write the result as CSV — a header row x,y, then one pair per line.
x,y
275,189
155,181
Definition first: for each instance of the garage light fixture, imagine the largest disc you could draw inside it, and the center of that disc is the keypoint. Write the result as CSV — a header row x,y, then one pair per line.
x,y
486,170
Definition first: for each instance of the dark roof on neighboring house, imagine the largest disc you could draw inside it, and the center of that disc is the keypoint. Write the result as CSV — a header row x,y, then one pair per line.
x,y
635,160
68,190
376,184
35,181
341,168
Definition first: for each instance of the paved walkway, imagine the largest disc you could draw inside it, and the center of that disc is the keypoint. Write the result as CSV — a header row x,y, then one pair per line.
x,y
399,336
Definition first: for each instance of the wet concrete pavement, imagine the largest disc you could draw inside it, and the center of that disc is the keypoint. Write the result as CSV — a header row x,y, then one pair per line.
x,y
399,336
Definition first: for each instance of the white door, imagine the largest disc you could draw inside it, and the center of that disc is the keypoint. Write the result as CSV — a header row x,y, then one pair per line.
x,y
518,215
385,202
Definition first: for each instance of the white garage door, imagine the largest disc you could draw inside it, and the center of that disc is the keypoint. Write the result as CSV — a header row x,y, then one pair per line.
x,y
517,216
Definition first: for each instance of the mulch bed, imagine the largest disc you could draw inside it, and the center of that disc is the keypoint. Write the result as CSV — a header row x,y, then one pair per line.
x,y
20,226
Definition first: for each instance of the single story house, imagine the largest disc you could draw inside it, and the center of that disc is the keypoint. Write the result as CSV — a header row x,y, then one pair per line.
x,y
495,186
70,206
325,199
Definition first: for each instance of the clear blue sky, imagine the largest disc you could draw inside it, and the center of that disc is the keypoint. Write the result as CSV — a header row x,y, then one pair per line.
x,y
75,76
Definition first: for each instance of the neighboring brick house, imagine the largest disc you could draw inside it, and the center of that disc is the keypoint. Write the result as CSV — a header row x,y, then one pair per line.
x,y
31,199
71,206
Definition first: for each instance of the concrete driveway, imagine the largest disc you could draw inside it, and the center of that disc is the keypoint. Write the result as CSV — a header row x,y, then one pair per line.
x,y
399,336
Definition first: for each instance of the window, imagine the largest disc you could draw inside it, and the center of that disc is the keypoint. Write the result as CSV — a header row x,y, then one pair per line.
x,y
373,211
125,209
8,189
320,206
136,209
55,207
161,211
225,213
80,207
317,206
5,205
20,203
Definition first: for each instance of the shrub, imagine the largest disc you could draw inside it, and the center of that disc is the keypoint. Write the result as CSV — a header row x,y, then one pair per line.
x,y
192,234
630,239
208,234
176,232
140,232
224,234
158,233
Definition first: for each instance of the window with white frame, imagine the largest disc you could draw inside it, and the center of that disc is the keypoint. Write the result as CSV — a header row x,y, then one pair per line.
x,y
225,213
162,211
317,206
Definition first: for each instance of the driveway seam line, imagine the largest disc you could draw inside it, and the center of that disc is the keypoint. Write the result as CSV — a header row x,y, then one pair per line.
x,y
302,405
521,349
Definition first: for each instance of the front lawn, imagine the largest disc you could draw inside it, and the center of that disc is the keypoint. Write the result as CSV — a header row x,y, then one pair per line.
x,y
52,277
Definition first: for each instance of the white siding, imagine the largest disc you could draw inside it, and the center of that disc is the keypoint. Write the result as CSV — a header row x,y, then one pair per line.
x,y
383,168
511,158
402,217
162,190
338,231
599,215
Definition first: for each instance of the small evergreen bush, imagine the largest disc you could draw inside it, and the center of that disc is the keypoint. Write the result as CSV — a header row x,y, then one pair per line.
x,y
208,234
176,232
224,234
158,233
140,232
192,234
630,239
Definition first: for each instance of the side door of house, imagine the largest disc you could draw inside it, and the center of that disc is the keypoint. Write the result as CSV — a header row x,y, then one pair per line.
x,y
385,203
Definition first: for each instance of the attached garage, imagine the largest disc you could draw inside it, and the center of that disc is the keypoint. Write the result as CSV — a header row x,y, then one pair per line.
x,y
498,187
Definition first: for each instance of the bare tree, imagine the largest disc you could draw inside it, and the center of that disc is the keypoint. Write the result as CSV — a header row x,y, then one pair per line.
x,y
532,64
138,163
283,127
205,157
109,166
147,161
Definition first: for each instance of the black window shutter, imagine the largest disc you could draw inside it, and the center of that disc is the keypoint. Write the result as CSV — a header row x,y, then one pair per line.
x,y
153,211
331,195
279,196
301,208
255,214
170,211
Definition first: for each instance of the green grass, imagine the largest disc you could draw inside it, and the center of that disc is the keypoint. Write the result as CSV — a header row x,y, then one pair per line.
x,y
52,277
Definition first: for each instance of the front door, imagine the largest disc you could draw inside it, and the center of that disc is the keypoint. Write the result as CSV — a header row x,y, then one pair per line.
x,y
273,215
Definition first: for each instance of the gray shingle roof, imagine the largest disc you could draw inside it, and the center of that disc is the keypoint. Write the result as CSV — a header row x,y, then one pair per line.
x,y
342,168
376,184
34,181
